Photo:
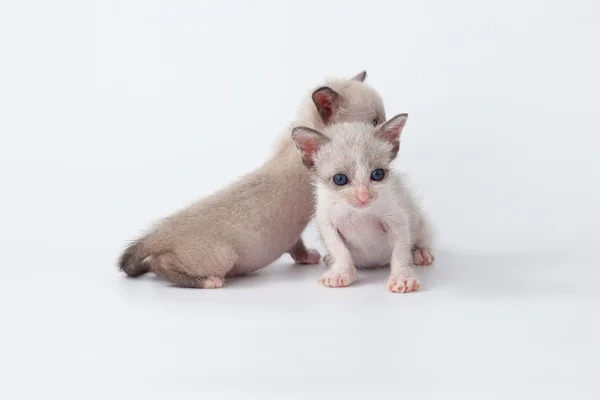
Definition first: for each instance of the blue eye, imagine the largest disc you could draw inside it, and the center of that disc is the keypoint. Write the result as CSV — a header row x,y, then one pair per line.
x,y
340,179
378,174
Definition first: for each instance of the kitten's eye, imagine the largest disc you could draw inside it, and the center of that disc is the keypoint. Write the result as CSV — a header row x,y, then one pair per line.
x,y
375,122
378,174
340,179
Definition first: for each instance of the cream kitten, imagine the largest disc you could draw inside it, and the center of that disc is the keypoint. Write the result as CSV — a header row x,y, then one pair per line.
x,y
365,213
252,222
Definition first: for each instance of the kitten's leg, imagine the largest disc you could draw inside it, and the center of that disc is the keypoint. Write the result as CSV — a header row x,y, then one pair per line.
x,y
302,255
342,272
206,271
402,278
422,252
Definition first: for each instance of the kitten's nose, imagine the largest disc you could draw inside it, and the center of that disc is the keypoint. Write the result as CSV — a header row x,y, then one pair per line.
x,y
362,194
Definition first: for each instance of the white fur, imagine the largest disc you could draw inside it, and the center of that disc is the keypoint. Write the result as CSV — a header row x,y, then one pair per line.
x,y
385,232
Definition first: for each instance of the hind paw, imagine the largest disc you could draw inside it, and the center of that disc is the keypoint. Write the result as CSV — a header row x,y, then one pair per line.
x,y
310,256
422,256
213,282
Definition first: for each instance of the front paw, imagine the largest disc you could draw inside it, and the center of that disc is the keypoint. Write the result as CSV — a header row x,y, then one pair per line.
x,y
337,278
403,284
311,256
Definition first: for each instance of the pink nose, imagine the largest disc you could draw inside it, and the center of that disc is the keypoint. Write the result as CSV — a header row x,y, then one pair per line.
x,y
362,194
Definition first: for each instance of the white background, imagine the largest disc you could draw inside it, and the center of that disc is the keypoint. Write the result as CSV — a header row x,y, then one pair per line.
x,y
115,113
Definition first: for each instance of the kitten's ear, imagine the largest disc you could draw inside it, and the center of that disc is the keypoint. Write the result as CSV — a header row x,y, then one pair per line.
x,y
327,100
308,141
391,130
360,76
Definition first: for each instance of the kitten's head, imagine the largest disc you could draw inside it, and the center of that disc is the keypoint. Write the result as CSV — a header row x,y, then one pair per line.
x,y
351,161
348,100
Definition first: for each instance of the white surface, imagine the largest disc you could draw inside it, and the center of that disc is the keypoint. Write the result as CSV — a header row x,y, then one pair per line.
x,y
113,114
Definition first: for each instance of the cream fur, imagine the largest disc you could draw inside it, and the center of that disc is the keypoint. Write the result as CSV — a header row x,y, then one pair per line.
x,y
256,219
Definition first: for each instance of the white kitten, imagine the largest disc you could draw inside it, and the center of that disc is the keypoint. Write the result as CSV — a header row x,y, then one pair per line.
x,y
365,213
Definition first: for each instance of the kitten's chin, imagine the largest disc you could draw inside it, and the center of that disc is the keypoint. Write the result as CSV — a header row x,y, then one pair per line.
x,y
361,206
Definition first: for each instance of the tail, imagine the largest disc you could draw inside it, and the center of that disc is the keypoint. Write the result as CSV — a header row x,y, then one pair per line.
x,y
134,260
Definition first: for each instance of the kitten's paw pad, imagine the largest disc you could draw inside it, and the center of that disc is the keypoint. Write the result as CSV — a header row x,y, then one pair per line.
x,y
213,282
337,279
328,260
403,284
422,257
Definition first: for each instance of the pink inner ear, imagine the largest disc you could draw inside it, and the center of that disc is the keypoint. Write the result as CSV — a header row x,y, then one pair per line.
x,y
310,148
392,135
325,102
